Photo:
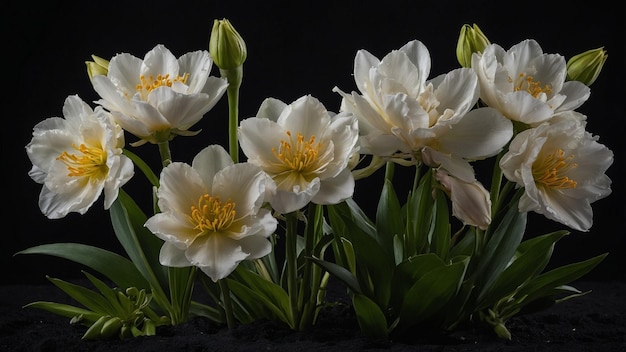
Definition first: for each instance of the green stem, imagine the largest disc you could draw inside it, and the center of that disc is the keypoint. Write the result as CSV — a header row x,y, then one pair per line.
x,y
496,182
292,265
228,305
311,273
389,169
234,78
164,150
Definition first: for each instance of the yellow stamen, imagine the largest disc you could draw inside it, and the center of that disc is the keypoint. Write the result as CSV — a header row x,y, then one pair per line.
x,y
298,155
528,84
89,162
150,83
211,215
552,169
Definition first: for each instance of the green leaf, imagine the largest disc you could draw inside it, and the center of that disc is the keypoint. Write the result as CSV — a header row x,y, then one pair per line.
x,y
80,315
139,243
430,294
118,269
531,257
440,229
499,249
544,283
372,321
341,273
88,298
389,220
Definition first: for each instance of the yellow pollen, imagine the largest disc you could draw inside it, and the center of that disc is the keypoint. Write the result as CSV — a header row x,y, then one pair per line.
x,y
150,83
298,155
528,84
210,215
88,162
552,169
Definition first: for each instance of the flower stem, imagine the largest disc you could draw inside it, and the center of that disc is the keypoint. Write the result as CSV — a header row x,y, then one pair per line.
x,y
234,77
164,150
228,305
292,265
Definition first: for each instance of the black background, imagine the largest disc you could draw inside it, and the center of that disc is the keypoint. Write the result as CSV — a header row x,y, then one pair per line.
x,y
294,49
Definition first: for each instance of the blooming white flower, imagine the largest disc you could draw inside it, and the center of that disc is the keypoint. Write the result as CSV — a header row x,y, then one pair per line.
x,y
160,96
562,168
526,84
211,215
76,158
400,112
304,148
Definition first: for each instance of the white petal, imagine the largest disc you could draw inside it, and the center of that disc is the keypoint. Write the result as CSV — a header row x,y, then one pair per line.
x,y
336,189
209,161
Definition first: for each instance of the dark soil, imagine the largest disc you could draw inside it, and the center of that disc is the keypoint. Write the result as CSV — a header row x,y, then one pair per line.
x,y
593,322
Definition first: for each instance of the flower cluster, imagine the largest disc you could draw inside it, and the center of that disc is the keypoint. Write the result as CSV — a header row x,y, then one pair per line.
x,y
220,221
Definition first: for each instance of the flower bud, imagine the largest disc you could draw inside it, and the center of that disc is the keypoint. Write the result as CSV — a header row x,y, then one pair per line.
x,y
471,40
585,67
226,46
98,66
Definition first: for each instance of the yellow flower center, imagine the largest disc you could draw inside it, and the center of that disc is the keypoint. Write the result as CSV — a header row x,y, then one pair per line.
x,y
88,162
210,215
552,169
149,83
528,84
298,155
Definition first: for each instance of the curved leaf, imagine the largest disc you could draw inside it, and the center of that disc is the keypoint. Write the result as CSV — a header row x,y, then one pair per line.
x,y
371,319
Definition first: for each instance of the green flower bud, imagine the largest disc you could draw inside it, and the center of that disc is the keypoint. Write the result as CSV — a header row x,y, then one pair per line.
x,y
471,40
226,46
585,67
98,66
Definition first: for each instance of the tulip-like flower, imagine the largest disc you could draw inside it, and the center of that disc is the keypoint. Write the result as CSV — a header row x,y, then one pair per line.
x,y
526,84
562,168
98,66
226,46
159,97
211,213
585,67
471,40
304,148
77,158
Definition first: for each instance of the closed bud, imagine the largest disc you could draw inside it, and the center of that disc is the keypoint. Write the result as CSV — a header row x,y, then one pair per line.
x,y
585,67
98,66
471,40
226,46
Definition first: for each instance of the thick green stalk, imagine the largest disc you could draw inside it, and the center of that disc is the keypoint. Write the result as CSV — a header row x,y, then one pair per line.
x,y
234,77
312,273
292,265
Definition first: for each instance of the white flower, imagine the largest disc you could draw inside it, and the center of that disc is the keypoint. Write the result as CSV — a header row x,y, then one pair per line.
x,y
400,112
304,148
76,158
211,215
562,168
525,84
160,96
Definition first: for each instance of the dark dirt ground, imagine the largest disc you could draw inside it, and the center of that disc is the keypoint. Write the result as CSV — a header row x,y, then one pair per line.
x,y
593,322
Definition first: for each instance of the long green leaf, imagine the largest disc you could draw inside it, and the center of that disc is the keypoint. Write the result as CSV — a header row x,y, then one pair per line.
x,y
88,298
339,272
388,216
141,246
372,321
118,269
81,315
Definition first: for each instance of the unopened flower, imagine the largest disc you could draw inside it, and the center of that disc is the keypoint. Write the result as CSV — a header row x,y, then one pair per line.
x,y
160,96
226,45
304,148
211,215
471,40
585,67
77,158
98,66
470,200
562,169
526,84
